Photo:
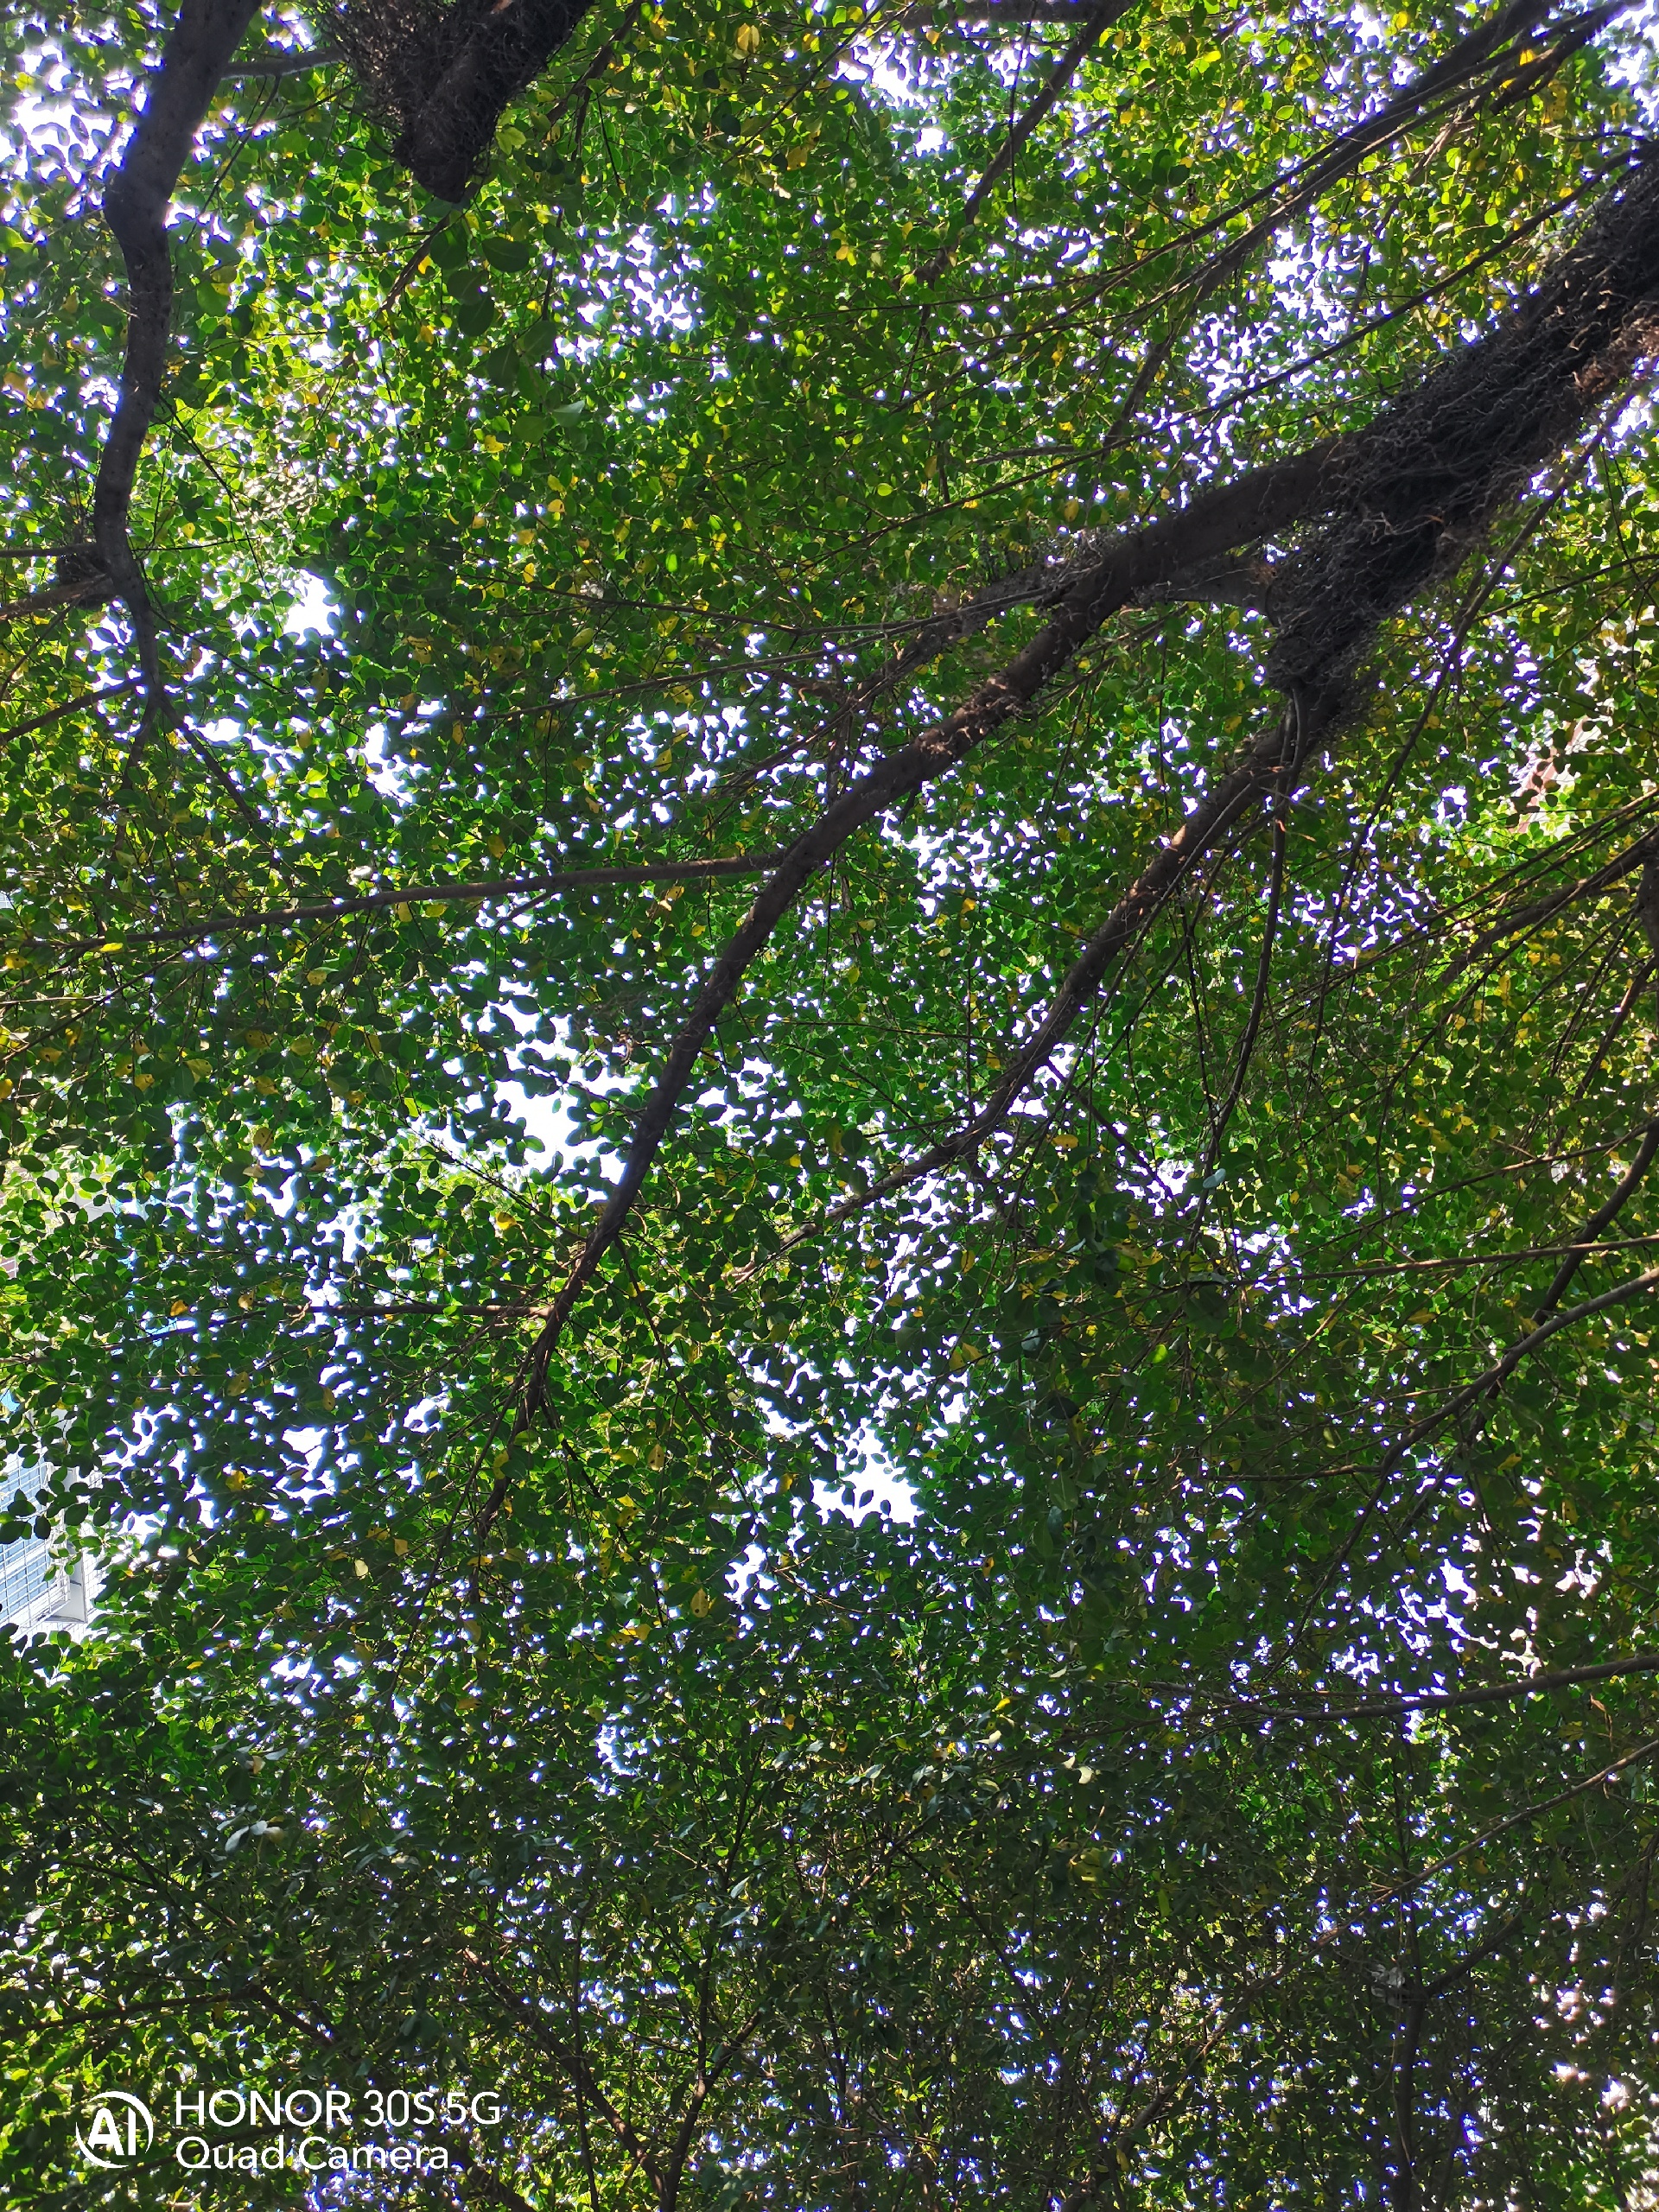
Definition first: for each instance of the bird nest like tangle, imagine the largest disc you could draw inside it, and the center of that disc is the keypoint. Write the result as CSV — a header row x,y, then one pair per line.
x,y
440,76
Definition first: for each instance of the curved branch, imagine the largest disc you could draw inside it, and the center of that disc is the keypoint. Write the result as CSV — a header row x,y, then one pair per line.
x,y
135,202
1413,490
1267,499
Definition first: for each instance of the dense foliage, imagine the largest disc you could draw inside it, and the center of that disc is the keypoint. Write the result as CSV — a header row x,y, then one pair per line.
x,y
888,1549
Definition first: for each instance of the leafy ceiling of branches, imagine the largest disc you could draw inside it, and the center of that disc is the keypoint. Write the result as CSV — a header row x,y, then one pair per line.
x,y
830,923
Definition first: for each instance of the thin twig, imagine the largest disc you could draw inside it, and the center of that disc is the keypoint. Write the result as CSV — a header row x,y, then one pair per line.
x,y
514,888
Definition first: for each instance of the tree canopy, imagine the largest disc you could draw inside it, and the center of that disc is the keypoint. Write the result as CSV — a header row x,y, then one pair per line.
x,y
830,956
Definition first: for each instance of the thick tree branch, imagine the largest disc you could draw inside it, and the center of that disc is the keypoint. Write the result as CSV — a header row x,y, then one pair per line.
x,y
82,591
135,202
446,85
1226,515
1492,1378
1413,492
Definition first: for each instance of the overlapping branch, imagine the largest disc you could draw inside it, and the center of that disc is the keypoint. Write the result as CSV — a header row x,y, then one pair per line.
x,y
1267,499
1435,95
135,202
1417,490
1487,48
1409,496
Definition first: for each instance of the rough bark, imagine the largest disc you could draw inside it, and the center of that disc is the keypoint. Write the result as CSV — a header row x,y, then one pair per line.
x,y
136,203
443,76
1409,495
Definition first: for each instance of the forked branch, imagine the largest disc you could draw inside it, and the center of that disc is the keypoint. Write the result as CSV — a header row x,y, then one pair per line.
x,y
1411,494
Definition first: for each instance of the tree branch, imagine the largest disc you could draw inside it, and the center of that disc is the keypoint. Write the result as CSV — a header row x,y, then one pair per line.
x,y
422,894
1539,1685
69,707
1221,516
136,203
1545,910
82,591
1095,25
572,2062
1413,492
446,88
1585,1242
278,62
